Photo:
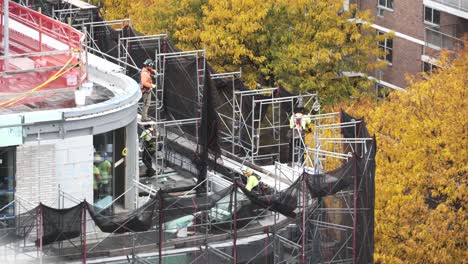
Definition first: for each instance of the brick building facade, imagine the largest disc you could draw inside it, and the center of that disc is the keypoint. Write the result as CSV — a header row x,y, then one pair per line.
x,y
422,28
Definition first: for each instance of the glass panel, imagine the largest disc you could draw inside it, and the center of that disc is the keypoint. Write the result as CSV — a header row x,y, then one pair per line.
x,y
7,186
382,91
389,56
382,2
103,168
390,43
428,14
426,67
436,17
390,4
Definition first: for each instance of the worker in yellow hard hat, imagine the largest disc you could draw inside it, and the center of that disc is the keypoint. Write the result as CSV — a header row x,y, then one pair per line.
x,y
252,180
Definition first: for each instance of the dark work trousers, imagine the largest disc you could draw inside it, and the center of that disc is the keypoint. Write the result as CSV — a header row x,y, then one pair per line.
x,y
298,147
148,160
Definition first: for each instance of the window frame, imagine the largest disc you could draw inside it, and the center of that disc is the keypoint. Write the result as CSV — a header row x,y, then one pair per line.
x,y
431,21
431,67
8,185
381,91
389,5
385,46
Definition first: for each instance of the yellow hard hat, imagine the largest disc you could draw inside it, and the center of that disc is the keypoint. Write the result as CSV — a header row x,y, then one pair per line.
x,y
248,172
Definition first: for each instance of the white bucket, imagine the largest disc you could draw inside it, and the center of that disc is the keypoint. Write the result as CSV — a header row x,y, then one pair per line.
x,y
80,98
87,88
182,232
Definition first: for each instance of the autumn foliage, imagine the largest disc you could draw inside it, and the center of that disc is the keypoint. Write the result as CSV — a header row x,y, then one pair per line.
x,y
422,164
422,134
301,45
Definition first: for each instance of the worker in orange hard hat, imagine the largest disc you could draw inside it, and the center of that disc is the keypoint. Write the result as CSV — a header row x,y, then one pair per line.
x,y
146,85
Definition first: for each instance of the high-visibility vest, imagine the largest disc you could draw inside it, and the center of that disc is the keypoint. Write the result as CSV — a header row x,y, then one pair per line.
x,y
146,83
95,181
252,182
147,137
104,170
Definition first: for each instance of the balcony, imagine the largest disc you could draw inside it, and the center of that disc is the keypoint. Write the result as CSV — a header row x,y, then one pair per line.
x,y
447,38
455,7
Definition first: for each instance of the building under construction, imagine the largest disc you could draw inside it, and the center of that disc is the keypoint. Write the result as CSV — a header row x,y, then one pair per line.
x,y
69,105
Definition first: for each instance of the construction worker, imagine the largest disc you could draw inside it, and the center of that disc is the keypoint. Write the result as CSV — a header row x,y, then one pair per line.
x,y
149,148
96,178
105,169
252,180
146,85
299,123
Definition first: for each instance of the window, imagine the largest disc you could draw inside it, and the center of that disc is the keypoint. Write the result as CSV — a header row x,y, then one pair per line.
x,y
381,90
429,67
103,168
7,187
431,16
380,12
387,46
108,168
386,4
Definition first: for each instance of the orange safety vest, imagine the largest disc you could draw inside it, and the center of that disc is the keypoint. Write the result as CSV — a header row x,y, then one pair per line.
x,y
146,83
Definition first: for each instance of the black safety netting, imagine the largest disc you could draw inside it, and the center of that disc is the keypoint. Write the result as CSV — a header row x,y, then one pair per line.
x,y
60,224
137,220
318,185
349,216
249,112
105,38
364,187
141,50
180,90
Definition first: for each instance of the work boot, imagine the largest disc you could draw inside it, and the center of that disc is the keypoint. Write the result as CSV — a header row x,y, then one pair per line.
x,y
150,172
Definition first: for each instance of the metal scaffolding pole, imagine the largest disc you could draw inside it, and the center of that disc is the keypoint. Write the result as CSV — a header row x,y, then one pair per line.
x,y
6,19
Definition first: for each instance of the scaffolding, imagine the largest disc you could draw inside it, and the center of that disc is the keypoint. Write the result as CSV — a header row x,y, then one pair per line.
x,y
326,228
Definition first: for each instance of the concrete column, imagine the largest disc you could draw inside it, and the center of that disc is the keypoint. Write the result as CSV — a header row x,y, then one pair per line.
x,y
131,169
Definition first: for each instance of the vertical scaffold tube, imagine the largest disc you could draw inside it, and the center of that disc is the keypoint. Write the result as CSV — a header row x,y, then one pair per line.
x,y
40,233
355,208
234,257
84,231
195,206
160,228
303,216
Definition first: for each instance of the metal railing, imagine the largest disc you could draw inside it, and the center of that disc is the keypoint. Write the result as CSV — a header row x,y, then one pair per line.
x,y
458,4
436,40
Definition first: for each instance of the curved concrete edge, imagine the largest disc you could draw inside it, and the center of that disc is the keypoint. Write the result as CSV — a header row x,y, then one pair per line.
x,y
126,90
109,75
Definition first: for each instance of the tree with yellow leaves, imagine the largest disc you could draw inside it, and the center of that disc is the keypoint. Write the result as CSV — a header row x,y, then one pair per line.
x,y
422,164
301,45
